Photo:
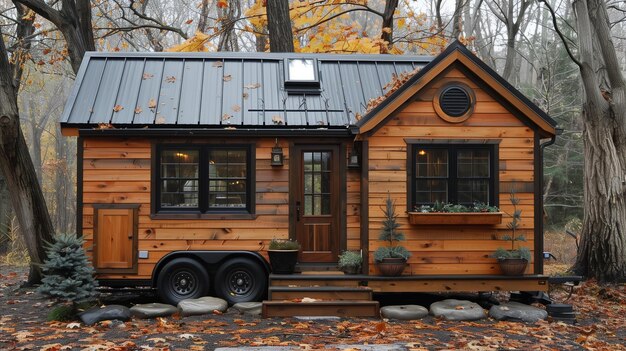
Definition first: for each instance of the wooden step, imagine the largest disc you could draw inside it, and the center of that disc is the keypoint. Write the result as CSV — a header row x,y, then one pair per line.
x,y
321,292
315,280
320,308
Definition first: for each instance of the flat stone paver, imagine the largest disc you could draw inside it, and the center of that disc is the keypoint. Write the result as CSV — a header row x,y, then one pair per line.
x,y
457,310
107,313
404,312
153,310
250,308
203,305
518,312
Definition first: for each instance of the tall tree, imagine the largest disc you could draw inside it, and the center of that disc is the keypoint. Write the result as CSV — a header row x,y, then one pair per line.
x,y
279,26
602,251
15,162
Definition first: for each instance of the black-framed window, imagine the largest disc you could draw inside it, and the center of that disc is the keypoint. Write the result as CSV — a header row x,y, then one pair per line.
x,y
452,173
203,179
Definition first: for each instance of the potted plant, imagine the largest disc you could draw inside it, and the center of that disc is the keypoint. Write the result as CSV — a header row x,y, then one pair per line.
x,y
350,262
455,214
283,254
391,259
513,261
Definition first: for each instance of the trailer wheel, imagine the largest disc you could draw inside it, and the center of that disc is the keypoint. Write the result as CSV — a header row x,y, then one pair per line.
x,y
180,279
240,280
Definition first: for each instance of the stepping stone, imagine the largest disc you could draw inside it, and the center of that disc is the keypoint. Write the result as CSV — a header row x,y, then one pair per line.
x,y
203,305
251,308
457,310
517,311
153,310
404,312
111,312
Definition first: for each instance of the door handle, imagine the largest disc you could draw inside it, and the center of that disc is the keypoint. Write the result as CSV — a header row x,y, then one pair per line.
x,y
298,211
130,235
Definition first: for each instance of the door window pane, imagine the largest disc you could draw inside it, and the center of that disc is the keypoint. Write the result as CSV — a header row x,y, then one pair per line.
x,y
316,182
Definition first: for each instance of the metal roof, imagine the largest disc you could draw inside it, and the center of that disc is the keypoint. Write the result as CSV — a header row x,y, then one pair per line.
x,y
220,89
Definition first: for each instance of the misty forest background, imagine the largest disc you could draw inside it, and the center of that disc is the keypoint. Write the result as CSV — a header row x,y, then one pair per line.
x,y
516,38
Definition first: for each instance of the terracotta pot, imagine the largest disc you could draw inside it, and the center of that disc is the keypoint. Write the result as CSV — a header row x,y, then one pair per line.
x,y
283,261
513,266
391,267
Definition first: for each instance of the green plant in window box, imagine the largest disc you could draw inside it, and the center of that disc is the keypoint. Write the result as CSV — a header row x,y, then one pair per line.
x,y
391,259
350,262
513,261
443,207
283,254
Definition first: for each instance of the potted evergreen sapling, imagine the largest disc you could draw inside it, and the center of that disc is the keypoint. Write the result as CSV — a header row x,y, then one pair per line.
x,y
283,254
513,261
391,259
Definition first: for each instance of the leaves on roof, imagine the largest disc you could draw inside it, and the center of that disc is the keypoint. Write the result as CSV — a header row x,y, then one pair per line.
x,y
118,108
159,120
226,117
236,108
152,104
218,64
227,77
276,119
147,76
138,110
397,81
245,95
252,86
170,79
105,126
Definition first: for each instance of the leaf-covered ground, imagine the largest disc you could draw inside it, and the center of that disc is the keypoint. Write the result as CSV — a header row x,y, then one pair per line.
x,y
23,326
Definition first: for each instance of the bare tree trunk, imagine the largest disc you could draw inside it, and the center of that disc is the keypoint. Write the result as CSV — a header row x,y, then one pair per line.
x,y
228,17
387,30
457,20
5,207
279,26
602,251
63,186
203,21
17,167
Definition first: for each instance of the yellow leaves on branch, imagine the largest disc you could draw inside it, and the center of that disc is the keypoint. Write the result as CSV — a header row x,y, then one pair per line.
x,y
198,42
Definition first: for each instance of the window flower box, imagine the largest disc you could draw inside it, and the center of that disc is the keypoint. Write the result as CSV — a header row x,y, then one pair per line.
x,y
455,218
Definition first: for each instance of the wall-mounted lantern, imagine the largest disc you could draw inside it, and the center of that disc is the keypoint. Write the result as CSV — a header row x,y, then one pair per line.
x,y
353,157
277,155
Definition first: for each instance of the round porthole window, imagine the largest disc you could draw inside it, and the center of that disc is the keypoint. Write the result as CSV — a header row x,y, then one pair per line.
x,y
454,102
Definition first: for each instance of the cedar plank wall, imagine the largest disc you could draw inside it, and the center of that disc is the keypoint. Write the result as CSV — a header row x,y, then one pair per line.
x,y
117,170
449,249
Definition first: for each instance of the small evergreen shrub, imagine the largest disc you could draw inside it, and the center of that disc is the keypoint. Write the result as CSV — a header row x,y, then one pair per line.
x,y
284,244
350,259
68,275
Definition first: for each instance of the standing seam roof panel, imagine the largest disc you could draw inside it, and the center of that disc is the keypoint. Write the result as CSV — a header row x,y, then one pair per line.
x,y
87,91
252,93
190,93
149,91
107,92
211,97
128,90
167,109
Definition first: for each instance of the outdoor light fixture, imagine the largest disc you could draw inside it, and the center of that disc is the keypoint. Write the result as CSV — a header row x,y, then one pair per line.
x,y
277,155
353,158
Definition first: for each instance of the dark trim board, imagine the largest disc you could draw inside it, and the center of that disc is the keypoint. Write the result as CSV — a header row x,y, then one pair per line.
x,y
191,131
538,203
364,212
79,185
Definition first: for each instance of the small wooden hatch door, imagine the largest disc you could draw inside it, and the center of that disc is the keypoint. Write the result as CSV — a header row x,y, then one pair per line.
x,y
115,238
315,202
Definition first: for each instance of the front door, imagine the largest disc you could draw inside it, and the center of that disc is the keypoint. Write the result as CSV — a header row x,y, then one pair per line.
x,y
115,238
316,202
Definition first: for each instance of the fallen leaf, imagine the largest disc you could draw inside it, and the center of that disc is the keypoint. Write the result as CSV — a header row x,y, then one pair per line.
x,y
189,21
277,120
152,103
138,110
160,120
118,108
227,77
252,86
245,96
147,75
226,117
73,325
218,64
186,336
170,79
236,108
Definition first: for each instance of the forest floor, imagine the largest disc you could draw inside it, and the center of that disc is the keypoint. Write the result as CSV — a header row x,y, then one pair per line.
x,y
601,325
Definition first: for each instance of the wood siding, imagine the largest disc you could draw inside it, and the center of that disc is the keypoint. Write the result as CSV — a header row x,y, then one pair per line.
x,y
450,249
118,171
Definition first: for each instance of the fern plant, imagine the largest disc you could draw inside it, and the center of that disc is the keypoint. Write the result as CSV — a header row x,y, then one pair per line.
x,y
391,235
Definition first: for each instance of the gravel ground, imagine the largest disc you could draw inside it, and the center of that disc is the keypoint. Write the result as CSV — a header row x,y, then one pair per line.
x,y
23,326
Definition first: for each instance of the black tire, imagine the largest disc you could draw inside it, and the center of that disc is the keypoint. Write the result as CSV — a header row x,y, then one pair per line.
x,y
180,279
240,280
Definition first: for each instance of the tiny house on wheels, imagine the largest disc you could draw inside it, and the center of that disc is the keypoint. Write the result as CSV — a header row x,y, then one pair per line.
x,y
189,164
